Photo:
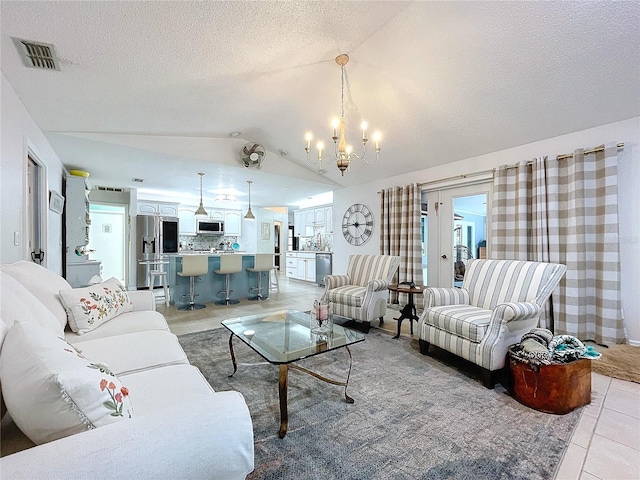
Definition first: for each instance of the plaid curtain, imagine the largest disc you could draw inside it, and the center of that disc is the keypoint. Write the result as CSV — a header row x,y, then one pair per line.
x,y
400,233
566,211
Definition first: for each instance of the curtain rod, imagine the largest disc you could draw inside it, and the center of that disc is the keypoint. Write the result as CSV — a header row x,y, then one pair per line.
x,y
486,172
586,152
454,177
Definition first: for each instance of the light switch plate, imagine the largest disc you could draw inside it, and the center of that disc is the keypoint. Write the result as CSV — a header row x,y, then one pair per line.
x,y
16,238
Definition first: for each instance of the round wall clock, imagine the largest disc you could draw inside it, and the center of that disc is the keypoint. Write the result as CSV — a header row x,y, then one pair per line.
x,y
357,224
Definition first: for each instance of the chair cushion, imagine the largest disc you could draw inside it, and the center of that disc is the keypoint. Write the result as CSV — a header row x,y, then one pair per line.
x,y
351,295
51,390
492,282
461,320
364,268
88,308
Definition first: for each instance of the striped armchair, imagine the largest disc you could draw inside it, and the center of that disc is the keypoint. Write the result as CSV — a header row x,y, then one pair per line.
x,y
362,293
500,300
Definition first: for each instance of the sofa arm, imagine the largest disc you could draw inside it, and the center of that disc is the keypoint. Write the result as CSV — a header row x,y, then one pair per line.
x,y
377,285
440,296
142,300
208,438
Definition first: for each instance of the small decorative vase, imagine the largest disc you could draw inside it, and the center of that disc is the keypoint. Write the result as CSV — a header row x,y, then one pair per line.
x,y
321,318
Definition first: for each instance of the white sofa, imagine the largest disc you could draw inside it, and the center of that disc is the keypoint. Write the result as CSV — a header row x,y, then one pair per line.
x,y
179,428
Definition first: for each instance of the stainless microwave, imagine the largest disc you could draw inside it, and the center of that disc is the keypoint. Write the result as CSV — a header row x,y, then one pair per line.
x,y
210,227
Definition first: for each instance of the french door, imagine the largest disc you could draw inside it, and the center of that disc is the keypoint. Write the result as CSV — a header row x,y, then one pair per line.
x,y
456,228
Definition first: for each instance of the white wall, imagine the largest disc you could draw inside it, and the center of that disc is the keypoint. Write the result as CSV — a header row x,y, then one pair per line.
x,y
627,132
19,134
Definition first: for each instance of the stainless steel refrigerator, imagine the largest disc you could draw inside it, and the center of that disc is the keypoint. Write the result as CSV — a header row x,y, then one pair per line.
x,y
155,236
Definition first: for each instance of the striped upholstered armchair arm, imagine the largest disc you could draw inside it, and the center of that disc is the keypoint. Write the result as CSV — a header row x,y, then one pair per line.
x,y
515,311
334,281
377,285
440,296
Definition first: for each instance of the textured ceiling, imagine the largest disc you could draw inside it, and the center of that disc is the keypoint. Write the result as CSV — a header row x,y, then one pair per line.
x,y
152,89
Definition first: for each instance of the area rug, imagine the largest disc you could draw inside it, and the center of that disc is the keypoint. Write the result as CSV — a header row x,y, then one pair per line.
x,y
618,361
414,416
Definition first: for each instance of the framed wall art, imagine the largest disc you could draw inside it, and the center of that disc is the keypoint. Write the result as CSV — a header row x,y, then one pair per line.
x,y
56,202
265,230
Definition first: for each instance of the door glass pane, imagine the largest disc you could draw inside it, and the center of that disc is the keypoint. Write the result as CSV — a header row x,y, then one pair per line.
x,y
469,232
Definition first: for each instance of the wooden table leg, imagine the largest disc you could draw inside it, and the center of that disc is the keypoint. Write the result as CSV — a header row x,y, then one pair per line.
x,y
283,384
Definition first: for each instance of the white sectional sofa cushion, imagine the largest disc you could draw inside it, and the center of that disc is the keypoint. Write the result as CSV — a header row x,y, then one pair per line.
x,y
45,407
44,284
135,351
135,321
88,308
28,307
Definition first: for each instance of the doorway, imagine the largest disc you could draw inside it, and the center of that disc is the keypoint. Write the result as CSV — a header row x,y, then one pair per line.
x,y
107,239
36,206
456,228
277,227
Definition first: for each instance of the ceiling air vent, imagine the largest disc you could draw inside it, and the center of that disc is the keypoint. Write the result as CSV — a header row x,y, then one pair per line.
x,y
37,55
110,189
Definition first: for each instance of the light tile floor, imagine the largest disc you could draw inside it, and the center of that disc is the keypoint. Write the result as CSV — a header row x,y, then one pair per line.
x,y
604,446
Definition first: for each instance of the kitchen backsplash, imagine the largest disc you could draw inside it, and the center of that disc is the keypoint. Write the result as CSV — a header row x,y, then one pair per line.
x,y
206,242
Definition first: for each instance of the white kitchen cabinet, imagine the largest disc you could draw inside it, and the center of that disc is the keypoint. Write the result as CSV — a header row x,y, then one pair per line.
x,y
310,269
187,220
318,216
148,207
215,214
309,218
328,219
233,222
301,266
298,223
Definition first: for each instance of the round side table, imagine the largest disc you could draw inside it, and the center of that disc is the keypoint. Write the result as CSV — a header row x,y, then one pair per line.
x,y
409,310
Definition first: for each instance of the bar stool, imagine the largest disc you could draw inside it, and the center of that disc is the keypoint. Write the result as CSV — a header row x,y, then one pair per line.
x,y
229,264
193,266
263,262
163,280
274,281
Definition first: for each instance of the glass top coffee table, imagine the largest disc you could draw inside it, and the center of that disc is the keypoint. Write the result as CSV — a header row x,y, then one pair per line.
x,y
282,338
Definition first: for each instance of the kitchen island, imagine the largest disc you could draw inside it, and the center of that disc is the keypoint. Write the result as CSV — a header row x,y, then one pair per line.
x,y
208,286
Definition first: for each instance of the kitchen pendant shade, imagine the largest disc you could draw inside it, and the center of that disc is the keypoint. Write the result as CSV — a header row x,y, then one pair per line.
x,y
201,211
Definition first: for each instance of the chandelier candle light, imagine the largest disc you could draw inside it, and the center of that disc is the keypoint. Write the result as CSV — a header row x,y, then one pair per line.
x,y
343,152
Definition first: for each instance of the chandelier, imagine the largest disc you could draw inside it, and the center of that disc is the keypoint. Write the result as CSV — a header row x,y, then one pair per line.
x,y
343,152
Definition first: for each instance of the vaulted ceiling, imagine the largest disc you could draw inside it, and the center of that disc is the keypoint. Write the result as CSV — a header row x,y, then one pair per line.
x,y
153,89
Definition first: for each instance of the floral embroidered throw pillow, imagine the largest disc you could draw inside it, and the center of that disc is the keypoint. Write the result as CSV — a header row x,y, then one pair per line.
x,y
95,394
52,391
88,308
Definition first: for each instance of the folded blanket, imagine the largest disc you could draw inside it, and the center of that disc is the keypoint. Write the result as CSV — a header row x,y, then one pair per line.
x,y
540,347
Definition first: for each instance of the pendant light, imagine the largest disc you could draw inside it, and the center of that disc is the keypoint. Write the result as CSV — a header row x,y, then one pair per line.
x,y
249,215
201,211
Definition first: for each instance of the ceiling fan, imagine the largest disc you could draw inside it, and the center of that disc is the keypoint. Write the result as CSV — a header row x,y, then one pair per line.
x,y
252,155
